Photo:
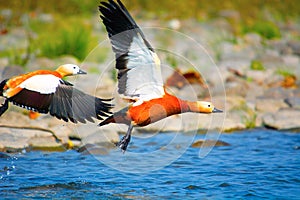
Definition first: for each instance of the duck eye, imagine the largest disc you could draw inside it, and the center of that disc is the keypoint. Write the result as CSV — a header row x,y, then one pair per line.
x,y
209,105
74,67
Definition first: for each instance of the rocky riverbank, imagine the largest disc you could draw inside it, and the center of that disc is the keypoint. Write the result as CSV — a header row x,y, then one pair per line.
x,y
254,80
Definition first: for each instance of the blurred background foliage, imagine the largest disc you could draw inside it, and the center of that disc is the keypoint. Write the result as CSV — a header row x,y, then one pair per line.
x,y
249,10
200,9
71,29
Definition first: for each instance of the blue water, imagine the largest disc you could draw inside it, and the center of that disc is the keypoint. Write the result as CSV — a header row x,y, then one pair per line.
x,y
258,164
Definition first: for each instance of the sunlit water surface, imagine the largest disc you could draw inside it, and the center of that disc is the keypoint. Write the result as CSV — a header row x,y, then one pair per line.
x,y
258,164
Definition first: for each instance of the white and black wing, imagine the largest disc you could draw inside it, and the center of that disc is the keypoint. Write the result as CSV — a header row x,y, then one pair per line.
x,y
66,103
139,72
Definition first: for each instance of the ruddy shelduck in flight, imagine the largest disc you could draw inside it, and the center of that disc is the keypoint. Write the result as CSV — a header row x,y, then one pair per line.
x,y
139,75
45,91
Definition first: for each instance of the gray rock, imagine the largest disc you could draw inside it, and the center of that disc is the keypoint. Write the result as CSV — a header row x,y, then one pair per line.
x,y
259,76
271,59
253,39
279,93
102,137
17,139
269,105
10,71
42,63
221,24
296,92
237,63
239,114
13,140
259,120
93,134
209,143
230,125
255,90
295,46
47,143
233,53
94,149
293,102
233,102
3,62
236,86
283,119
16,38
18,131
280,46
291,60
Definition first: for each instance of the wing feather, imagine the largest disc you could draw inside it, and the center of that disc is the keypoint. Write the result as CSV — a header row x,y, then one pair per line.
x,y
66,103
139,72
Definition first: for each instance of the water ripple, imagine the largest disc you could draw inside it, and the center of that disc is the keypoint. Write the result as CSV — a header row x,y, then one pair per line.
x,y
258,164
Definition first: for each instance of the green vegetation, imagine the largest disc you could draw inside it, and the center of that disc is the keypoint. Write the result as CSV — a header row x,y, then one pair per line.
x,y
257,65
284,72
250,121
15,56
70,30
18,56
247,114
249,11
218,39
172,61
268,30
72,42
114,74
65,7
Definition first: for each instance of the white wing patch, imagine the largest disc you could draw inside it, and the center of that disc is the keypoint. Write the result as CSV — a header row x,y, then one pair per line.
x,y
144,79
44,84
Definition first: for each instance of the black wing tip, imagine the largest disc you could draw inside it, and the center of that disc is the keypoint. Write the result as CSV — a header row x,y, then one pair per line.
x,y
116,17
2,84
4,106
103,108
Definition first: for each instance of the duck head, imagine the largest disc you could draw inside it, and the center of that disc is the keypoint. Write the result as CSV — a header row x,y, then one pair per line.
x,y
69,70
207,107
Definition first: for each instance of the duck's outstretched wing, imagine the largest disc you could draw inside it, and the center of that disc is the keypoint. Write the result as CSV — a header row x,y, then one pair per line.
x,y
139,72
60,99
71,103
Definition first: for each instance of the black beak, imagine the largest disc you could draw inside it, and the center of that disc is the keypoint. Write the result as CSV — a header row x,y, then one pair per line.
x,y
217,111
81,72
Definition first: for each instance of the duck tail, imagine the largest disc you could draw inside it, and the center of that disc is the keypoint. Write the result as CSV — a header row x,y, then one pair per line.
x,y
119,117
108,120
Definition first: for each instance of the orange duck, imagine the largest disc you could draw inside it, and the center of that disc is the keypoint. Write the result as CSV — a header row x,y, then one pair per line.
x,y
45,91
139,75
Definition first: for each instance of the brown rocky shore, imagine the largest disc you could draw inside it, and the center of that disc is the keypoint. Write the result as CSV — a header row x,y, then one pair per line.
x,y
254,80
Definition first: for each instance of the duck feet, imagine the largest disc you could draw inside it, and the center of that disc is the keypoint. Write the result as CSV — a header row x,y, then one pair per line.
x,y
124,142
126,139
